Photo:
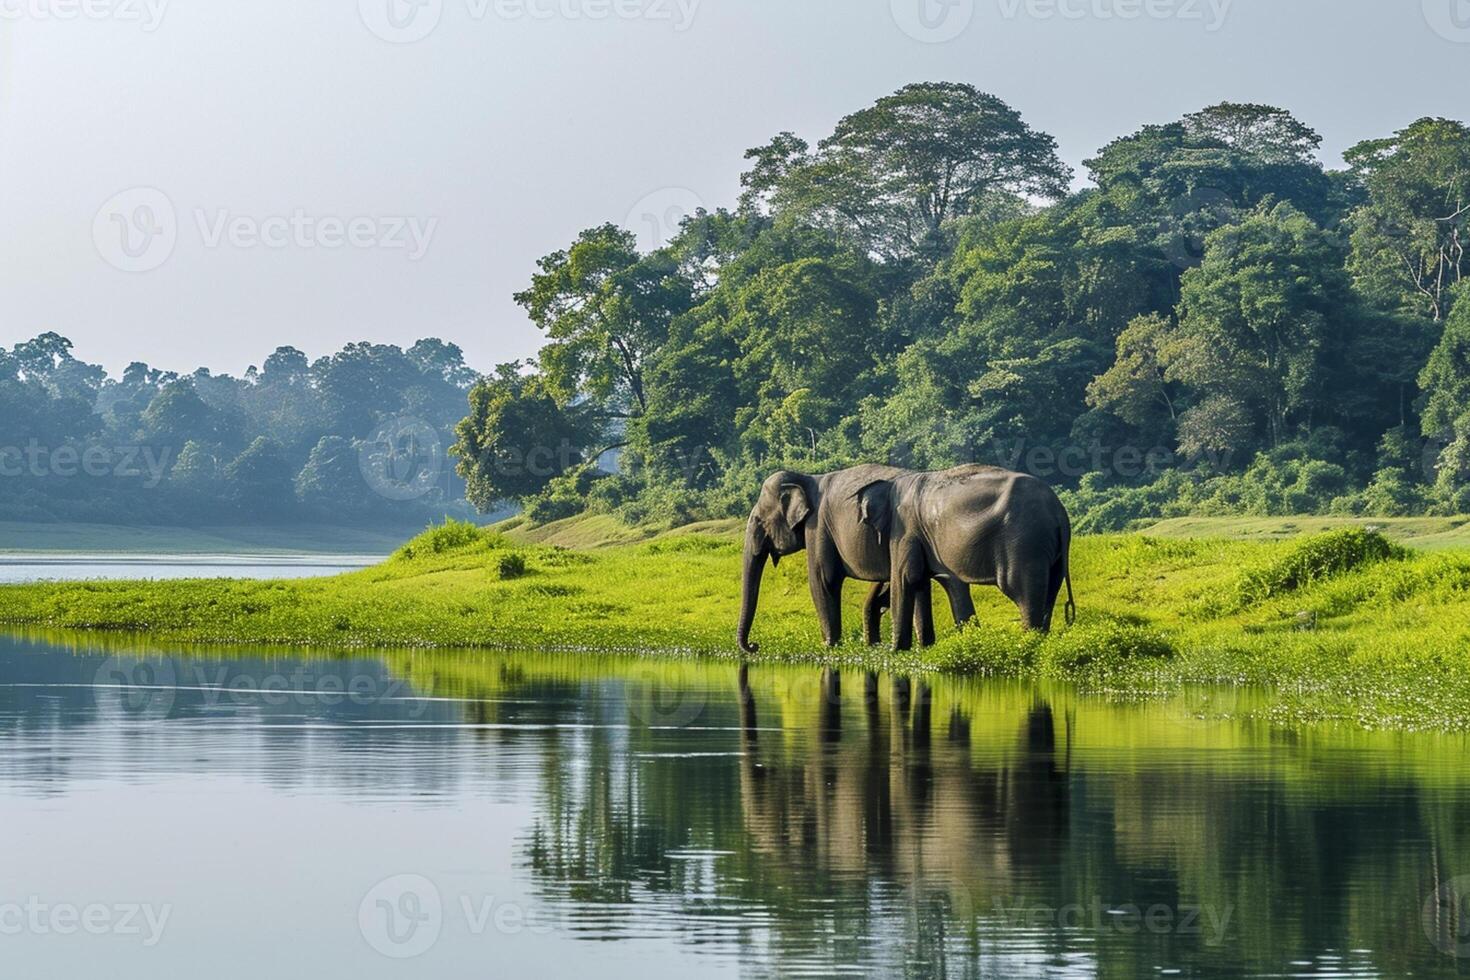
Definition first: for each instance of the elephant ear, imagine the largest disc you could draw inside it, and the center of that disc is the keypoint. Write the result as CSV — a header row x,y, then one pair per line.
x,y
794,504
875,507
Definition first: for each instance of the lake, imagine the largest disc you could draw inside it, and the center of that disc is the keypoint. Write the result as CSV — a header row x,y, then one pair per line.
x,y
76,567
245,814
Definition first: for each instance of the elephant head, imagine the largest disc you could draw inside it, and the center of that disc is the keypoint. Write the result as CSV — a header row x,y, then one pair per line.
x,y
777,527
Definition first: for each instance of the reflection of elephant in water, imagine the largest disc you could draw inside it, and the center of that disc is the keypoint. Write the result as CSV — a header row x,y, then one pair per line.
x,y
972,524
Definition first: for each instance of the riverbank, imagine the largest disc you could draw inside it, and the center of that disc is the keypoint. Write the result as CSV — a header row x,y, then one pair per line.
x,y
1346,626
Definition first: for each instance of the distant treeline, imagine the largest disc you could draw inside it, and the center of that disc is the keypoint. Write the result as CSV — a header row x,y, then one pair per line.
x,y
360,437
1217,324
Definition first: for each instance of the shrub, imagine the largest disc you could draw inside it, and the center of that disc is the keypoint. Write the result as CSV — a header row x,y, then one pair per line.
x,y
1104,645
452,535
1314,559
512,565
980,650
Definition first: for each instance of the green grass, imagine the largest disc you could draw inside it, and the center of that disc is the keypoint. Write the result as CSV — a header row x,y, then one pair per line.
x,y
1421,533
1344,627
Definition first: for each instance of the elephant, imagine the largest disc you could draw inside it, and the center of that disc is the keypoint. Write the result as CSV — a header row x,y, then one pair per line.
x,y
798,512
971,525
840,547
854,523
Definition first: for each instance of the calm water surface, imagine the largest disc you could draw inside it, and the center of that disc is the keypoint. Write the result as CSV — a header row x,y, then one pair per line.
x,y
469,815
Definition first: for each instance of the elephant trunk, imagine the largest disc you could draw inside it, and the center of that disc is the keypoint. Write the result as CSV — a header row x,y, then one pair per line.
x,y
750,582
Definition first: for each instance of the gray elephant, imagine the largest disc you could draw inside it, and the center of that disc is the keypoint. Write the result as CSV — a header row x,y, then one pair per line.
x,y
972,524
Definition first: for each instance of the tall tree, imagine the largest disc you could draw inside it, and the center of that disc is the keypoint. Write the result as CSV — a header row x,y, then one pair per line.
x,y
892,174
604,309
1409,239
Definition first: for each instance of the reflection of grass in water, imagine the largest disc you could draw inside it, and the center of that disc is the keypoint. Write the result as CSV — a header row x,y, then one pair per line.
x,y
1340,630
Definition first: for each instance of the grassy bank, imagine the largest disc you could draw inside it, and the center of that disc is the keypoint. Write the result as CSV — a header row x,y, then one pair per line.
x,y
1345,626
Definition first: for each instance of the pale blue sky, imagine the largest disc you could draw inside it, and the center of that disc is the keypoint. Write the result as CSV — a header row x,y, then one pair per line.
x,y
499,135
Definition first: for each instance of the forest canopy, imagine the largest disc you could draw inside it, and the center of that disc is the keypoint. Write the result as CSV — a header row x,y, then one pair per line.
x,y
1215,324
357,438
1209,322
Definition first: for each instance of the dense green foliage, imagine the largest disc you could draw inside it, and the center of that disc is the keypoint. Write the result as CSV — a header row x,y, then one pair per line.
x,y
1216,324
1343,626
358,437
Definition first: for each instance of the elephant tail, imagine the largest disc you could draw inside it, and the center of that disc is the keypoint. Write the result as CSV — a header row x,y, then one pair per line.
x,y
1070,611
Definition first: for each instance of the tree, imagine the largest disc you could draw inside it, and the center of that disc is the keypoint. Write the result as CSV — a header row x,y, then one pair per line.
x,y
1136,388
331,482
177,415
1409,238
604,309
893,174
1263,322
258,481
517,438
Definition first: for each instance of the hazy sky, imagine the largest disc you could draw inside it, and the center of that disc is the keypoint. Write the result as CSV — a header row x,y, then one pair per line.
x,y
194,182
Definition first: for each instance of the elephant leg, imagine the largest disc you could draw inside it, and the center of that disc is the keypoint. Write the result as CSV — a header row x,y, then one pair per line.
x,y
1028,590
873,613
907,577
903,615
960,602
924,613
827,597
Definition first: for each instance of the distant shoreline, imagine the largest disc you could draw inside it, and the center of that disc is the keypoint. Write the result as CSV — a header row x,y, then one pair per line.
x,y
33,540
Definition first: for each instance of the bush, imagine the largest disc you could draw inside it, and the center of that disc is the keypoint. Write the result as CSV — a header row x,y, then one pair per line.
x,y
1103,645
511,566
980,650
1314,559
452,535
